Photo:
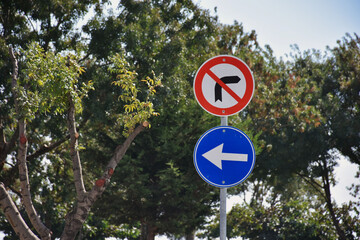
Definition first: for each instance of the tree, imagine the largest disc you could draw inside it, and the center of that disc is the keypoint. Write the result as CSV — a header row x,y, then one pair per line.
x,y
304,122
293,212
49,85
50,23
153,34
339,104
159,186
178,27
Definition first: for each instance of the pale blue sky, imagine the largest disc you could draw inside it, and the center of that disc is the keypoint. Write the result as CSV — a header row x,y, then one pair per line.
x,y
280,23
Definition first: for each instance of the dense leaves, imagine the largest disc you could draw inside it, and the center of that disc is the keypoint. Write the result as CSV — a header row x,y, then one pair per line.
x,y
269,214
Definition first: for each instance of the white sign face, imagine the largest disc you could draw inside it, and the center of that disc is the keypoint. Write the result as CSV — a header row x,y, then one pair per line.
x,y
224,85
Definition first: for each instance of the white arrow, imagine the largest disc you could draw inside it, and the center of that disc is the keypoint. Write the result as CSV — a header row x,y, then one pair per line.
x,y
216,155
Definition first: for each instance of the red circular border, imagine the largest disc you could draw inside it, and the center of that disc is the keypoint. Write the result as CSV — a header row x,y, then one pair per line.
x,y
199,77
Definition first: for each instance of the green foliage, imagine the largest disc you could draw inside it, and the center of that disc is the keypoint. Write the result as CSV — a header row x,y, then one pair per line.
x,y
50,23
136,111
98,229
342,91
270,214
50,80
305,116
156,184
289,220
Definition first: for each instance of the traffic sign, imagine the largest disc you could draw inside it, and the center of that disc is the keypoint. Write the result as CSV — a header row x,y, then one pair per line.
x,y
224,156
224,85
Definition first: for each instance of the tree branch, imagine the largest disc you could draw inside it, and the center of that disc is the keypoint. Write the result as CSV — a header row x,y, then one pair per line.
x,y
329,204
12,214
75,219
74,153
44,232
45,149
8,146
313,183
119,153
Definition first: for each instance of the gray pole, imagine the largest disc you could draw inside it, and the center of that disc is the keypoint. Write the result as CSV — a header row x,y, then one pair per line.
x,y
223,213
223,192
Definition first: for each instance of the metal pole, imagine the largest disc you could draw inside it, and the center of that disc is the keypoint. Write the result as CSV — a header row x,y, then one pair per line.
x,y
223,192
224,121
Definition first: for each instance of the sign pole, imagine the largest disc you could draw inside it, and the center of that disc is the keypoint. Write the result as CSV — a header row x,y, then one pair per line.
x,y
223,86
223,193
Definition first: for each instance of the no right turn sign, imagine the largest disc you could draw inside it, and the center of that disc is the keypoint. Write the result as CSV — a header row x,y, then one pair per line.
x,y
224,85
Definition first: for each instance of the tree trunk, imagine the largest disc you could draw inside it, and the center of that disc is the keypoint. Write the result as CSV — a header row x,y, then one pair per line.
x,y
190,236
329,204
148,231
75,219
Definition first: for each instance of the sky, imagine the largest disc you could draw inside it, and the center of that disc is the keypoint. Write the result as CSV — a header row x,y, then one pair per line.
x,y
311,24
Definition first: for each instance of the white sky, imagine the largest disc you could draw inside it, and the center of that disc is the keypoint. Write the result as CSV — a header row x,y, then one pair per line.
x,y
281,23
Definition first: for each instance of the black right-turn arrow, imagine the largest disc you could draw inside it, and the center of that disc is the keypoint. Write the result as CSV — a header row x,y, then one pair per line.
x,y
226,80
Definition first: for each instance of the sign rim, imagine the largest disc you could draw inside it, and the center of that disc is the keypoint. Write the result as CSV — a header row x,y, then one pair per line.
x,y
224,185
199,77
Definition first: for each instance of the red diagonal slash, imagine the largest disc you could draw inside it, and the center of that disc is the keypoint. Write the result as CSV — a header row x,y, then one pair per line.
x,y
223,85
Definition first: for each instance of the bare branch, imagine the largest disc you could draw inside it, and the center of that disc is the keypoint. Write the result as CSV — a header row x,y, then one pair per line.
x,y
44,232
8,146
313,183
330,206
74,153
118,155
75,219
15,72
12,214
15,191
45,149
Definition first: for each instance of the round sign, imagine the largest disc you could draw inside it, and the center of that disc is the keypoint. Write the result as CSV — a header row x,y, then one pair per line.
x,y
224,156
224,85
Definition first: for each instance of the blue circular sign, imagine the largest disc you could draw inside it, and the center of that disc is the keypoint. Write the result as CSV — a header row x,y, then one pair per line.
x,y
224,156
